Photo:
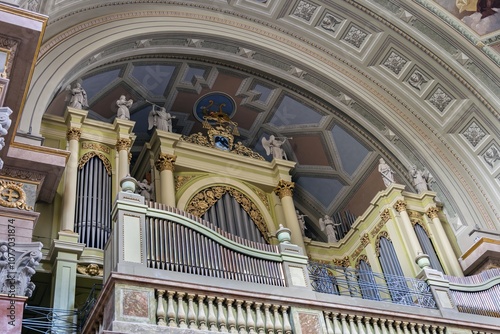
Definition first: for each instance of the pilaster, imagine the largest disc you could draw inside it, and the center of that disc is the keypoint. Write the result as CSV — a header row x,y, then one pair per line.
x,y
284,190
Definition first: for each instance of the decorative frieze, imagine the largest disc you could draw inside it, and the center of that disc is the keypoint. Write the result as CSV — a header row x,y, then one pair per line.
x,y
165,162
385,215
74,134
417,79
345,262
96,147
330,22
284,188
363,242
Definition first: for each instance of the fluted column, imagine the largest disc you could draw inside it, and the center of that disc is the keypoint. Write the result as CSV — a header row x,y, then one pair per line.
x,y
165,165
285,192
123,146
444,244
71,174
413,245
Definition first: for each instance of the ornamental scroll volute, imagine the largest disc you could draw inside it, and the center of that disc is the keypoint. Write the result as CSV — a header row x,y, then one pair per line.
x,y
206,198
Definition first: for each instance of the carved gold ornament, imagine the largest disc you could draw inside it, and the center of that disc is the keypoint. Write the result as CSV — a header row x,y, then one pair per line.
x,y
383,234
345,262
89,155
74,134
123,144
385,215
364,241
362,258
12,195
165,162
400,205
90,270
432,212
206,198
417,222
181,180
284,188
96,147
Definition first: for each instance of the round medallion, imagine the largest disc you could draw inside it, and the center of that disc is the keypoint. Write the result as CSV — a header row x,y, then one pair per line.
x,y
212,103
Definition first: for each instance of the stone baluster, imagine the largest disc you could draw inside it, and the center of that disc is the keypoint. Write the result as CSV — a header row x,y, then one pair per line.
x,y
390,326
397,326
344,322
202,317
212,320
361,327
221,318
337,327
286,321
240,319
352,324
368,326
329,326
405,325
191,316
181,313
160,310
441,330
231,320
278,327
170,309
269,322
376,326
250,320
413,327
260,321
384,325
433,330
419,328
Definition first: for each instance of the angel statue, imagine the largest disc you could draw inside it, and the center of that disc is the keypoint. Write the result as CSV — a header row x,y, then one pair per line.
x,y
145,189
328,226
161,119
421,179
302,222
78,98
387,172
123,105
273,146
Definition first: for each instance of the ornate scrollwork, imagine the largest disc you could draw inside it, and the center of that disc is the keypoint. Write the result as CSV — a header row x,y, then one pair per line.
x,y
400,205
74,134
263,197
123,144
345,262
385,215
96,147
206,198
89,155
432,212
12,195
383,234
284,188
364,241
165,162
181,180
418,222
362,258
240,149
197,138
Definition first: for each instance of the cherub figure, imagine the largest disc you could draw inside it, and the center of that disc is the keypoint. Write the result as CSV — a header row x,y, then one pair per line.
x,y
123,105
302,222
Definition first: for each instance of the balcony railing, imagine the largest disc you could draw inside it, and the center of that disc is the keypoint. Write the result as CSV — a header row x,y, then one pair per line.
x,y
48,320
369,285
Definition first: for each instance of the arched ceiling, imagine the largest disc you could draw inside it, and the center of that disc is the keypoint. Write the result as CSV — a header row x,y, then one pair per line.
x,y
349,81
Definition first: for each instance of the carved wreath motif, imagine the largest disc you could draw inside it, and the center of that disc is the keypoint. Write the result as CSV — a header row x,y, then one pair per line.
x,y
12,195
239,148
89,155
206,198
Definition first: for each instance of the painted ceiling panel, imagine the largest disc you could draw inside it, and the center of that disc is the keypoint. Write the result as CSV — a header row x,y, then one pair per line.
x,y
309,150
154,78
292,112
325,190
96,83
350,151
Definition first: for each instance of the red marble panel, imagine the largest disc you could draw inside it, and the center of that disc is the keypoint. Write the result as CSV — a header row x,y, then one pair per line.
x,y
309,323
135,303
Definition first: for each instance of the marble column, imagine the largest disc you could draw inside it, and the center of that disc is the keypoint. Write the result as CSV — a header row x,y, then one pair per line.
x,y
407,231
71,174
122,146
442,243
165,165
285,192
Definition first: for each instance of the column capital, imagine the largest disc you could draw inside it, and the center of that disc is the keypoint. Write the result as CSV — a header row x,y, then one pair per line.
x,y
284,188
432,212
400,205
73,134
165,162
123,144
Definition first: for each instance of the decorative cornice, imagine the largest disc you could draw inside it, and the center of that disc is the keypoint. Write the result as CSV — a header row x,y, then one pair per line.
x,y
165,162
284,188
123,144
74,134
432,212
400,205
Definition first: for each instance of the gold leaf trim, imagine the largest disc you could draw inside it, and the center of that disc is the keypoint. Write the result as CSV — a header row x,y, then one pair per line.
x,y
16,197
89,155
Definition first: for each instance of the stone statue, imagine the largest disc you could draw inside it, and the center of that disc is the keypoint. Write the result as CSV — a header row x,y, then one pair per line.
x,y
123,105
387,172
302,222
273,146
328,226
144,189
78,98
160,118
421,179
5,120
491,156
